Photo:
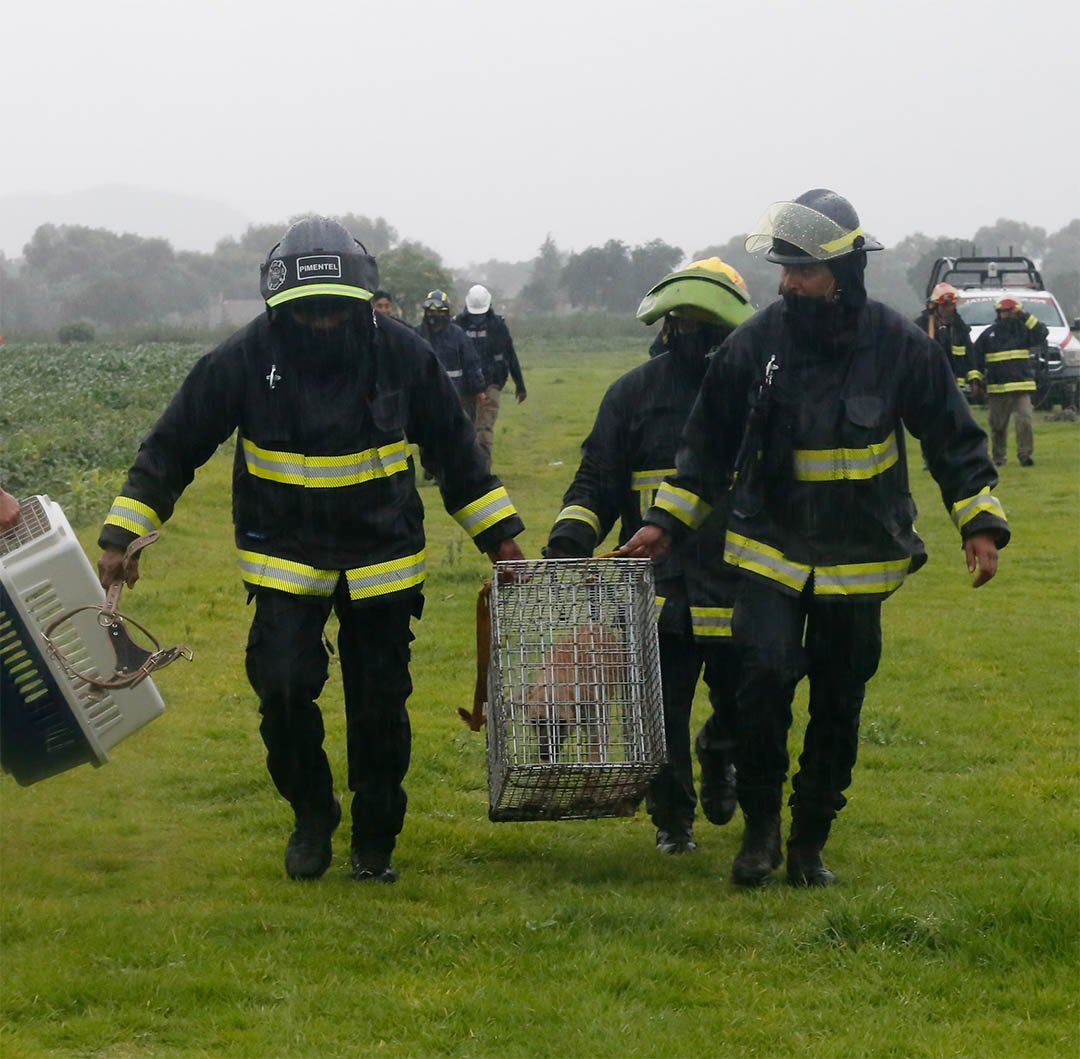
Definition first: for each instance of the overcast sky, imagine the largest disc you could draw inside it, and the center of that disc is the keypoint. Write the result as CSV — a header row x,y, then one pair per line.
x,y
479,127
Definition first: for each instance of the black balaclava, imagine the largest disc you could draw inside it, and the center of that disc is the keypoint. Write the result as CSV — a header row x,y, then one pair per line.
x,y
342,347
690,350
830,324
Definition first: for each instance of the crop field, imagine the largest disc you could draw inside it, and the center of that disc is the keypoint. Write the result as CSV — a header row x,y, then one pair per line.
x,y
144,909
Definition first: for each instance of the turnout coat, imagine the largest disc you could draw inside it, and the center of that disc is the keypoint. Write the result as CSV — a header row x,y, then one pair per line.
x,y
625,458
954,338
816,457
323,480
1006,353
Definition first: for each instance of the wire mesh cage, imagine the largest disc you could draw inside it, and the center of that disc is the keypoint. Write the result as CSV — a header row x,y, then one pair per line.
x,y
575,717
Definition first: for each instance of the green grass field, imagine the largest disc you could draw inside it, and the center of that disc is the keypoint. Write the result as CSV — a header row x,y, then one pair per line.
x,y
144,909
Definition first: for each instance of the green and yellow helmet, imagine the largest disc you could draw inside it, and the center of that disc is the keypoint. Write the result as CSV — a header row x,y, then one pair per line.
x,y
709,290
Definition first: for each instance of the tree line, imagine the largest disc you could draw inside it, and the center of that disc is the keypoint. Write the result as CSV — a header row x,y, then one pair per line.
x,y
118,282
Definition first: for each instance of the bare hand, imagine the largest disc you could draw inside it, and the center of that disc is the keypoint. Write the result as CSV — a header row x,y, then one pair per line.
x,y
982,555
506,551
114,568
9,510
650,542
520,395
481,397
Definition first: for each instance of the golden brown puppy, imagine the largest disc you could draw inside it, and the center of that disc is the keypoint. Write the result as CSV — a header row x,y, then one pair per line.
x,y
570,694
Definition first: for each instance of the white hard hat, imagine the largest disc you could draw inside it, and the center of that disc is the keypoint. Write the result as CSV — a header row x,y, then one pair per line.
x,y
478,300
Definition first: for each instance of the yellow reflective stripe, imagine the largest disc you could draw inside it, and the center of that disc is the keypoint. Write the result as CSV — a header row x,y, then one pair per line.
x,y
660,601
650,479
1031,322
1010,387
132,515
823,465
326,472
963,511
299,579
581,514
687,507
339,290
1008,354
758,558
482,514
267,571
380,579
974,375
854,579
711,621
842,241
959,351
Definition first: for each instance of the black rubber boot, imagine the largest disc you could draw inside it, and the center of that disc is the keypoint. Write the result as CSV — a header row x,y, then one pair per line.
x,y
718,801
371,865
676,840
760,853
808,837
310,851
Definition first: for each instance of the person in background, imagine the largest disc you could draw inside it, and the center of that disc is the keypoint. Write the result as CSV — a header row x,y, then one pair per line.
x,y
455,352
495,347
1006,354
382,301
628,453
800,424
327,517
941,321
9,510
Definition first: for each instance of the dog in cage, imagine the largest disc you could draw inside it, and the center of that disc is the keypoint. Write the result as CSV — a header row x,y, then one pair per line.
x,y
569,696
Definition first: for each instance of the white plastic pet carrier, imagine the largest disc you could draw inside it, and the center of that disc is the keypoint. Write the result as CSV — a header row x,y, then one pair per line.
x,y
51,719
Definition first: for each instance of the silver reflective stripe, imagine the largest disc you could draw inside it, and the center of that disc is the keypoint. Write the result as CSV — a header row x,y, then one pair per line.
x,y
711,621
822,465
963,511
384,578
456,374
861,578
650,479
748,554
499,356
479,515
322,472
286,576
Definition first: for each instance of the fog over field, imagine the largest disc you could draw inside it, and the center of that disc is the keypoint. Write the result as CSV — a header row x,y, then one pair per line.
x,y
481,127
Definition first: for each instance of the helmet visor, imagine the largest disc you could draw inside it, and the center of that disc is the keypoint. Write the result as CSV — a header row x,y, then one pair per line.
x,y
816,235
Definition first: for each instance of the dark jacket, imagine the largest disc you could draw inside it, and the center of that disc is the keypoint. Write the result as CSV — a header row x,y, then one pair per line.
x,y
954,338
1006,353
820,478
491,338
323,480
626,456
456,355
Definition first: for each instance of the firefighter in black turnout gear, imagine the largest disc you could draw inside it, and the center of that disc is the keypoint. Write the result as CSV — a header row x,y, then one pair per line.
x,y
455,352
804,411
323,394
946,327
1007,354
627,455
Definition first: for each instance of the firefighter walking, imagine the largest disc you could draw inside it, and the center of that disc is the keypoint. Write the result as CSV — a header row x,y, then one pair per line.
x,y
625,458
803,416
323,393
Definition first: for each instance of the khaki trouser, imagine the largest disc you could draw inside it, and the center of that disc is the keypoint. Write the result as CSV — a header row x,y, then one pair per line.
x,y
1002,405
486,414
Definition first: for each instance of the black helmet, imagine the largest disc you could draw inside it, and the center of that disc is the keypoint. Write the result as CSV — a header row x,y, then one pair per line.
x,y
317,257
819,225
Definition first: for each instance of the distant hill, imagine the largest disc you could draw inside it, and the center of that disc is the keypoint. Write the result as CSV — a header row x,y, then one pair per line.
x,y
188,222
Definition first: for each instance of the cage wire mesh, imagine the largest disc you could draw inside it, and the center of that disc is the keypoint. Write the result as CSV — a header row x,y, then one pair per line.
x,y
575,720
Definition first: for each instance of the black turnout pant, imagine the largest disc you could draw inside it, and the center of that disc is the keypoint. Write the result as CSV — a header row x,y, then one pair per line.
x,y
287,667
782,638
671,799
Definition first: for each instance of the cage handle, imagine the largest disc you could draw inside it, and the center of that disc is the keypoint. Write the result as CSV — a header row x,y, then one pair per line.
x,y
133,663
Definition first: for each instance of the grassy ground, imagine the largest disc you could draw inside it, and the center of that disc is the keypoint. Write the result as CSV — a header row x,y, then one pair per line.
x,y
144,909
